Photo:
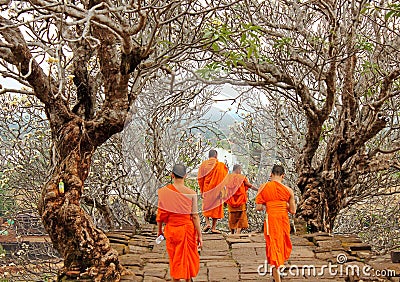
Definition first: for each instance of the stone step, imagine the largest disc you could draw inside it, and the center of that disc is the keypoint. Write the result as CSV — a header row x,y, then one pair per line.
x,y
227,257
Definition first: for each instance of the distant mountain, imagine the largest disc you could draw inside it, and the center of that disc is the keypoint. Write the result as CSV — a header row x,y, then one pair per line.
x,y
224,118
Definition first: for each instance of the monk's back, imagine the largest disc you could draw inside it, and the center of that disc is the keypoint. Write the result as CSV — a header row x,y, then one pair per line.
x,y
275,191
175,201
213,172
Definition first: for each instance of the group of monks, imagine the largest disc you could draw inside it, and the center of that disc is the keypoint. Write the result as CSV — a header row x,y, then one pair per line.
x,y
177,209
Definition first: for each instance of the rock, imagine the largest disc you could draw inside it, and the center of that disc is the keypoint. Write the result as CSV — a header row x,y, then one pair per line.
x,y
155,272
158,260
153,279
326,256
332,245
248,245
244,252
131,277
301,252
364,254
148,256
120,248
207,237
215,245
118,241
311,236
300,241
130,260
223,274
348,238
117,235
248,268
316,239
395,256
258,239
137,249
213,258
252,277
208,252
139,242
73,273
224,263
237,240
356,246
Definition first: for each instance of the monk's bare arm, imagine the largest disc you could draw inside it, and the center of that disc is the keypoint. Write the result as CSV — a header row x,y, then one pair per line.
x,y
196,221
292,202
201,185
248,184
160,231
260,207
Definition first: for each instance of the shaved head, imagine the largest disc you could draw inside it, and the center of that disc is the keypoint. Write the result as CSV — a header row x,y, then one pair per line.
x,y
179,171
278,170
237,167
212,154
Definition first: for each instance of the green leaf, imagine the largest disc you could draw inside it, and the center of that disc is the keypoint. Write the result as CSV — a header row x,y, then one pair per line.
x,y
215,46
389,14
243,38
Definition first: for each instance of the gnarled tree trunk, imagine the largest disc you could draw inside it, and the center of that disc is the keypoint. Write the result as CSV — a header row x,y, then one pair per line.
x,y
76,133
321,203
86,250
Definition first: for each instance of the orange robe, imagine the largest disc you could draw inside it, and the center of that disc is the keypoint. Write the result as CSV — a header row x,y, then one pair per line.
x,y
276,226
211,173
236,198
175,209
236,191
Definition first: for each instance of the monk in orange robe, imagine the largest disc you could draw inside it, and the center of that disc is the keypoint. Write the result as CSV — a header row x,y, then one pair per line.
x,y
177,208
211,173
237,185
277,200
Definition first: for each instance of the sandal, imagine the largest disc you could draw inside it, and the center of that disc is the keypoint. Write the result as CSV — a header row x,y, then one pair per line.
x,y
206,228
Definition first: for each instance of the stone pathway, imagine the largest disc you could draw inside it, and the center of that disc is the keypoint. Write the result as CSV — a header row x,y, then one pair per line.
x,y
241,258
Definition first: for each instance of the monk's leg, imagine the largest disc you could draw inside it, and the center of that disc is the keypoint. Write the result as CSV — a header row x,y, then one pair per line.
x,y
208,225
238,230
214,224
275,274
230,223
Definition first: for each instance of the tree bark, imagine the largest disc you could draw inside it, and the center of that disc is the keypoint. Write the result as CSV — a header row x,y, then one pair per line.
x,y
86,250
321,202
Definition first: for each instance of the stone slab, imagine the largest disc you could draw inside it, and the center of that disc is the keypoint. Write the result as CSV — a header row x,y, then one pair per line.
x,y
216,274
206,252
356,246
148,256
302,252
214,258
238,240
127,278
249,268
153,279
157,272
248,245
120,248
207,237
138,249
118,235
224,263
252,277
130,260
